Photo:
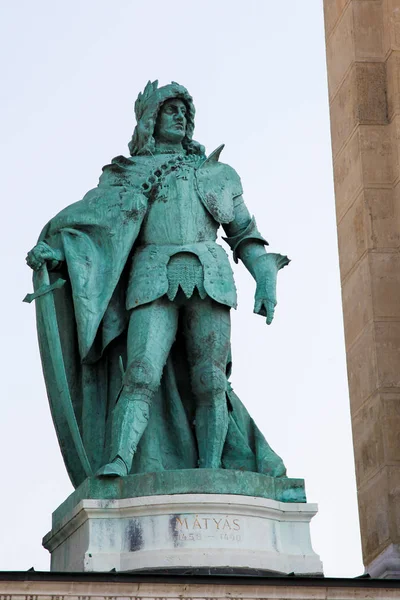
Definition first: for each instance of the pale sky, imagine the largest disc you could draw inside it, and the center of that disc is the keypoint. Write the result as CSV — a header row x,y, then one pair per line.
x,y
71,72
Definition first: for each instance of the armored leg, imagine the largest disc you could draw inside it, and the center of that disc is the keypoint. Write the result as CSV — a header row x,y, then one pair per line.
x,y
207,332
152,330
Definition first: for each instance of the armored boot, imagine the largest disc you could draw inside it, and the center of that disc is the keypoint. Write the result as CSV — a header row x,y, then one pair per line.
x,y
130,418
211,430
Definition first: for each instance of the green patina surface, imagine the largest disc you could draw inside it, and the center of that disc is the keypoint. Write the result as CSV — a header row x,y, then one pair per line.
x,y
193,481
133,298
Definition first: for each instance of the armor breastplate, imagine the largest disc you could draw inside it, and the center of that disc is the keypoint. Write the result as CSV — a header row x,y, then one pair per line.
x,y
176,214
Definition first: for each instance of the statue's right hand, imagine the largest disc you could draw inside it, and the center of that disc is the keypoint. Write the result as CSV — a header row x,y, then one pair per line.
x,y
40,254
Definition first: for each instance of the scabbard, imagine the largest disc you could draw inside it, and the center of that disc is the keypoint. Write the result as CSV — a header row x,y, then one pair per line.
x,y
47,307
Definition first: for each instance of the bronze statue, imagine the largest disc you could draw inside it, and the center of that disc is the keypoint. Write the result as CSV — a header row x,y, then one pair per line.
x,y
135,344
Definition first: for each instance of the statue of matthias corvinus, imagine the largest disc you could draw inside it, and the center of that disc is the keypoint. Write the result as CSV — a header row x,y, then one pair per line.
x,y
133,299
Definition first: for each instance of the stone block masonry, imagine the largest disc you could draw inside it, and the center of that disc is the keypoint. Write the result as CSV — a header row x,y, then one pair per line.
x,y
363,60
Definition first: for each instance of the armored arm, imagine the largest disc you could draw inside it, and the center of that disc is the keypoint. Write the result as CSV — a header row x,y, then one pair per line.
x,y
248,244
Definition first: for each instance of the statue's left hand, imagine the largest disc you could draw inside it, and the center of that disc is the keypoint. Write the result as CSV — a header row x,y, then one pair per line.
x,y
266,268
40,254
265,307
265,299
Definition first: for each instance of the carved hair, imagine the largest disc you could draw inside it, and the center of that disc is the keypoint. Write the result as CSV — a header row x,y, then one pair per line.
x,y
147,107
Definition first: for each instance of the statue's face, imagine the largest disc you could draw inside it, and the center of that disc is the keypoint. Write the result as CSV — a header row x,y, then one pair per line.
x,y
171,122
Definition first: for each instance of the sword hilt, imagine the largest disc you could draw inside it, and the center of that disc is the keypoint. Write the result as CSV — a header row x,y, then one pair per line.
x,y
44,289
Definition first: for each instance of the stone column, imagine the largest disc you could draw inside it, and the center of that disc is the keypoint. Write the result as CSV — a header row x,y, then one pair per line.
x,y
363,58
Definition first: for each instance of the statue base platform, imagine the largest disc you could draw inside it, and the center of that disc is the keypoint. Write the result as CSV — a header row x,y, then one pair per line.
x,y
184,481
202,533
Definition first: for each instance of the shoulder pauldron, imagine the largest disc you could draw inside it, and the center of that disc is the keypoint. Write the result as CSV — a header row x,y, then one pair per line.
x,y
217,185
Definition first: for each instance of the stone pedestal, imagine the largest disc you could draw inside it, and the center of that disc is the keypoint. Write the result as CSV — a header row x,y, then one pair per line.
x,y
216,532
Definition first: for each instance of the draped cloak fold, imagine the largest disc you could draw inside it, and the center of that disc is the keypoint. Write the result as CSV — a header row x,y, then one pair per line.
x,y
97,236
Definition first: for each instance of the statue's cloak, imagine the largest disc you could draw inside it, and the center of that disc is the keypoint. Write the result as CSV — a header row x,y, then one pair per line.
x,y
97,236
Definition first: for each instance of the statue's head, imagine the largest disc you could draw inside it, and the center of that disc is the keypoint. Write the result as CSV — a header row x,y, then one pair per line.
x,y
165,113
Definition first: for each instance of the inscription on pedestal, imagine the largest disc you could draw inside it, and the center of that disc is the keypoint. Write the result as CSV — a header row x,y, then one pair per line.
x,y
195,528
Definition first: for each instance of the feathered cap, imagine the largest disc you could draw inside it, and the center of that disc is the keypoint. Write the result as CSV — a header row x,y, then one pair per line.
x,y
147,107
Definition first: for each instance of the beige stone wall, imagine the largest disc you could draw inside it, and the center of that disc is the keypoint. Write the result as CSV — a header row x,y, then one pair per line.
x,y
363,59
131,590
